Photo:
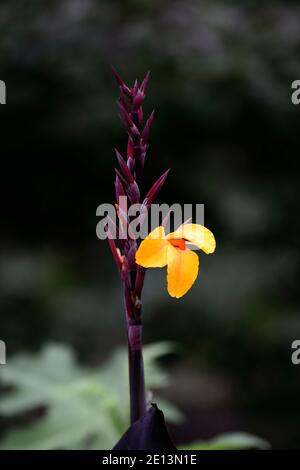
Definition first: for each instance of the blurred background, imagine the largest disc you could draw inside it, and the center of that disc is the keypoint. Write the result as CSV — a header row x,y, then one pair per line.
x,y
221,75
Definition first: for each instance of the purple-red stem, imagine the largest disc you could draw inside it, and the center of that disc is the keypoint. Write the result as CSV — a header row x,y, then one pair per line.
x,y
136,373
135,356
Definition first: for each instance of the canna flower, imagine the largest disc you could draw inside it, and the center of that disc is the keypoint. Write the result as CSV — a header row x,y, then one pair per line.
x,y
148,429
159,250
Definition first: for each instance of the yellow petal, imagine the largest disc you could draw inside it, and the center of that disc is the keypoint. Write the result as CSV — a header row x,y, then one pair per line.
x,y
152,252
197,235
183,266
157,234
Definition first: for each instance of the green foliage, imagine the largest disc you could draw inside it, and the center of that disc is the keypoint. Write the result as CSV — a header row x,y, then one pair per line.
x,y
229,441
84,408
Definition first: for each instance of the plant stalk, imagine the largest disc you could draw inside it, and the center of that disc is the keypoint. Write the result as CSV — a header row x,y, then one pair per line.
x,y
136,373
128,183
135,354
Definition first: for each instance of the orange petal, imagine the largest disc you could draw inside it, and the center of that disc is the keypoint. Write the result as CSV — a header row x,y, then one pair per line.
x,y
152,252
183,266
197,235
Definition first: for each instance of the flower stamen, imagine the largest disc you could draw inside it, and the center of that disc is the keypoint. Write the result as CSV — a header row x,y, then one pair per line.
x,y
178,243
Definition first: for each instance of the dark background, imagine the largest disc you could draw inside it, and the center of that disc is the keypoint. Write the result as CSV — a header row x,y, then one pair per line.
x,y
221,75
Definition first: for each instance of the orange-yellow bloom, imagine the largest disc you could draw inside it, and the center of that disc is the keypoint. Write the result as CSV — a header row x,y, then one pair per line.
x,y
159,250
